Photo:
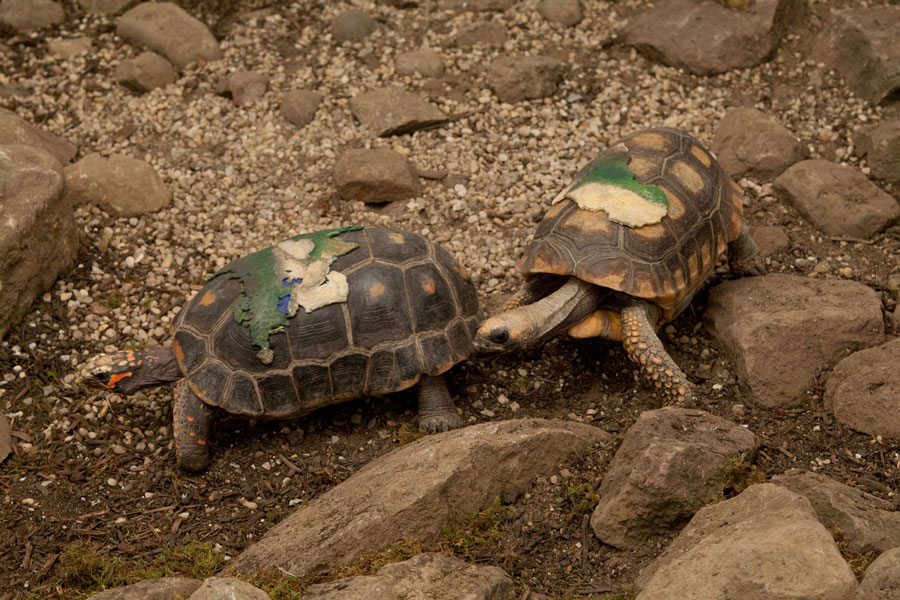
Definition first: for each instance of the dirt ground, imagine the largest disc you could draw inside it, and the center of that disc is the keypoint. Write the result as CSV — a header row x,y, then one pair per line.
x,y
121,506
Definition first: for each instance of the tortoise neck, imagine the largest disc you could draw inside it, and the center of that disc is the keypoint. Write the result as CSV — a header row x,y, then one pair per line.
x,y
570,304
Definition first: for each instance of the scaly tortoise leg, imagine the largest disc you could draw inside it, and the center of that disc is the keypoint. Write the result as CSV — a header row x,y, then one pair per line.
x,y
743,255
643,347
436,409
192,418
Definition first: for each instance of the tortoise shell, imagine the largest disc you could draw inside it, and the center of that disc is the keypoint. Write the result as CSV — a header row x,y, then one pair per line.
x,y
410,310
664,262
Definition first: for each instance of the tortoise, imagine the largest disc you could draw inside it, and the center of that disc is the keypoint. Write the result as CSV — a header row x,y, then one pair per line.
x,y
623,249
317,319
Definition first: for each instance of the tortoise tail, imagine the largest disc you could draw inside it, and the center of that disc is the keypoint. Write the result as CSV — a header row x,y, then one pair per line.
x,y
128,371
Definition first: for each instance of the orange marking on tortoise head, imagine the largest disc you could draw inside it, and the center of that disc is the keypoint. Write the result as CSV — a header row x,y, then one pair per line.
x,y
208,298
428,285
114,379
190,419
397,238
376,289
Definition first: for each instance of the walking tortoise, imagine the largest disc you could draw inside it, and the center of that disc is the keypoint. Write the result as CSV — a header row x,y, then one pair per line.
x,y
315,320
624,248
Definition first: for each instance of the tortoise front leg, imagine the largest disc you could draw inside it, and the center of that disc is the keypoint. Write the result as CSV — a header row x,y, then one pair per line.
x,y
192,418
743,255
643,347
436,410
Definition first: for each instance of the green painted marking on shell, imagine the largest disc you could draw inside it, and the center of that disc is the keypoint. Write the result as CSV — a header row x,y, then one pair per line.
x,y
278,280
606,183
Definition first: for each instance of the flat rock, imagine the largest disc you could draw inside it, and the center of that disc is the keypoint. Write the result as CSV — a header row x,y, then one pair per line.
x,y
105,7
163,588
750,143
167,29
412,492
38,235
864,522
882,578
393,111
771,239
763,544
16,130
352,25
863,45
671,463
564,12
489,33
475,5
779,331
375,176
704,37
122,186
300,106
426,62
838,200
244,87
516,78
429,575
30,15
863,391
145,72
880,144
228,588
67,48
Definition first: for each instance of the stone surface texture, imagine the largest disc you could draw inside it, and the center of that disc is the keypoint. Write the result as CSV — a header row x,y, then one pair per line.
x,y
38,235
426,62
15,130
300,106
771,239
167,29
882,578
864,522
67,48
123,186
244,87
475,5
517,78
425,576
880,144
779,331
413,491
671,463
564,12
164,588
761,545
375,176
145,72
863,44
750,143
838,200
490,33
707,38
30,15
105,7
393,111
863,390
352,25
228,588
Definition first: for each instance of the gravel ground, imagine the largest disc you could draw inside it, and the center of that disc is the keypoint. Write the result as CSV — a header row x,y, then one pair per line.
x,y
98,468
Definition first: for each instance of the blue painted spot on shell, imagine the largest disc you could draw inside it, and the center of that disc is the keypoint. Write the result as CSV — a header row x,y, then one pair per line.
x,y
288,282
283,302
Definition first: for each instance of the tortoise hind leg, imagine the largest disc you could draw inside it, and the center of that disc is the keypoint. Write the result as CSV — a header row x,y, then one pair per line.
x,y
436,410
743,255
192,418
643,347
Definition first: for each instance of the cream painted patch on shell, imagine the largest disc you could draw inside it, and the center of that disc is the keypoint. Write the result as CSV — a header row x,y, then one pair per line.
x,y
623,206
334,289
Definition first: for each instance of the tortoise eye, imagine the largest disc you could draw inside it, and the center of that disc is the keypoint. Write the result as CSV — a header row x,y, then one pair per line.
x,y
499,336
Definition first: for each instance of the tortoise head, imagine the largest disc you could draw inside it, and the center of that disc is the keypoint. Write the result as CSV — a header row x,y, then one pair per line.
x,y
510,330
128,371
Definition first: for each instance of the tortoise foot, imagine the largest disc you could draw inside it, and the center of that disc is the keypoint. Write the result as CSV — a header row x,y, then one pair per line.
x,y
439,423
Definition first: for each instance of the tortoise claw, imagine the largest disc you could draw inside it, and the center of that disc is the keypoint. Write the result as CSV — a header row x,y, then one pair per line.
x,y
439,423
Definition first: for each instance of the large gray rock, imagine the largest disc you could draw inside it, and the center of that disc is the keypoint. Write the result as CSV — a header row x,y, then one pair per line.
x,y
425,62
750,143
779,331
145,72
882,579
863,44
375,176
38,234
167,29
704,37
838,200
564,12
16,130
164,588
864,522
516,78
411,492
429,575
228,588
29,15
863,391
393,111
771,239
352,25
300,106
671,463
764,544
880,144
122,186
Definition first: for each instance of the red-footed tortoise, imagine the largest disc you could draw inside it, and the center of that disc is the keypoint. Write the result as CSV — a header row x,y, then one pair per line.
x,y
624,248
317,319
